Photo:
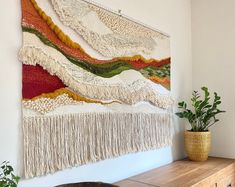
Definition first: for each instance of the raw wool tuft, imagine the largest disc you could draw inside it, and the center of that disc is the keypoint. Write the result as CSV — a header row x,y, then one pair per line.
x,y
45,105
84,138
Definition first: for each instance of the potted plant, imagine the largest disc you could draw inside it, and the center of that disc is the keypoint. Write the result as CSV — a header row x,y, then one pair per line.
x,y
201,117
7,177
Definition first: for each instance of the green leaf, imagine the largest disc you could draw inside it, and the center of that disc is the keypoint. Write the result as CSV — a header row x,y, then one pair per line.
x,y
181,104
179,114
7,177
205,110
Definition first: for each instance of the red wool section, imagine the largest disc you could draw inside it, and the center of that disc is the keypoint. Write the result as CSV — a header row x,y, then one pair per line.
x,y
36,81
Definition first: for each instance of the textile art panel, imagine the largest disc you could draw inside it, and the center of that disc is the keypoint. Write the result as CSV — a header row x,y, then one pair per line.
x,y
95,85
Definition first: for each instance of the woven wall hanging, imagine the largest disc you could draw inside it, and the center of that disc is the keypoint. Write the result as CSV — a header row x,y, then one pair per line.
x,y
95,85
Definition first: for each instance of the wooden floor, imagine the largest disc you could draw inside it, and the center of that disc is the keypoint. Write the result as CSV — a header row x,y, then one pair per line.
x,y
216,172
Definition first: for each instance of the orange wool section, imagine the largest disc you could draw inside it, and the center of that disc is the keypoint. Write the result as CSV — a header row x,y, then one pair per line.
x,y
163,81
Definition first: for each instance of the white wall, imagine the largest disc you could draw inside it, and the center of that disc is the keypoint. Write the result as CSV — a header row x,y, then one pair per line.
x,y
213,26
172,17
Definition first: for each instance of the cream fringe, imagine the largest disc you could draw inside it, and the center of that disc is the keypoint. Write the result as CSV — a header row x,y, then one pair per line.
x,y
53,143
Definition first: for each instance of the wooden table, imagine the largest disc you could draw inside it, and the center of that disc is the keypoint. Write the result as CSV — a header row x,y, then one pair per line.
x,y
215,172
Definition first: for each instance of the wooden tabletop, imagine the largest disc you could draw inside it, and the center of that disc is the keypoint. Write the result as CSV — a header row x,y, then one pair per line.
x,y
184,173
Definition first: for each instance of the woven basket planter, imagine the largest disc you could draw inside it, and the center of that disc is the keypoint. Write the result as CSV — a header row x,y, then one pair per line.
x,y
197,145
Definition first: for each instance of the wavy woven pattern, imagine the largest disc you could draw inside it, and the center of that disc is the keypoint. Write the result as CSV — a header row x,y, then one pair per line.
x,y
126,89
95,86
34,22
34,17
108,68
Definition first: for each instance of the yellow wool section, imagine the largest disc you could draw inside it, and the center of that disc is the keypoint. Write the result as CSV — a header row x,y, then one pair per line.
x,y
60,34
67,41
134,58
70,93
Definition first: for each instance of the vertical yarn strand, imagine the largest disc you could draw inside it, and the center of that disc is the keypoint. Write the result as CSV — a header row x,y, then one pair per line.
x,y
53,143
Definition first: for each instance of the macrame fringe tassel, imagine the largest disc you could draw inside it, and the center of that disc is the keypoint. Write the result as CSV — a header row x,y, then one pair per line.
x,y
53,143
